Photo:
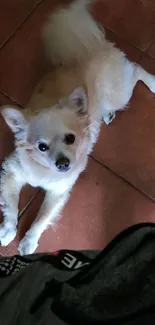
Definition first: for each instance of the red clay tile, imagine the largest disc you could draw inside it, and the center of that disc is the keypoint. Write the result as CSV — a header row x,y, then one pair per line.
x,y
132,19
127,145
101,205
151,50
12,14
148,63
22,60
131,52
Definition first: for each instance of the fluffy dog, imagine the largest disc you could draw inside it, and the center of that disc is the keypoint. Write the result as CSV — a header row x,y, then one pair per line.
x,y
56,132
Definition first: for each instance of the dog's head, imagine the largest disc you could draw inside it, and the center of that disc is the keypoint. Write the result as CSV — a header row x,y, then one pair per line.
x,y
55,137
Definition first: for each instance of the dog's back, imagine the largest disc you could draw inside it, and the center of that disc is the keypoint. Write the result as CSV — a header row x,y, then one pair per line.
x,y
72,35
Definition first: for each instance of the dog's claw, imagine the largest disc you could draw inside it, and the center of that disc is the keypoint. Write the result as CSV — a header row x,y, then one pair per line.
x,y
109,118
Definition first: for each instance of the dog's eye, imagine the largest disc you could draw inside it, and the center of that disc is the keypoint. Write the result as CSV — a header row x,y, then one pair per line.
x,y
43,146
69,138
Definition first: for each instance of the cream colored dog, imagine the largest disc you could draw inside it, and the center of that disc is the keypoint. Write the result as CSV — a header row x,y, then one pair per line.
x,y
56,133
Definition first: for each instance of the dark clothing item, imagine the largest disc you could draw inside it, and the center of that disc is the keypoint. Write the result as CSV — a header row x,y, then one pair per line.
x,y
115,286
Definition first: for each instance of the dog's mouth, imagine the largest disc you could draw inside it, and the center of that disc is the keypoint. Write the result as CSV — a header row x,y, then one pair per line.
x,y
63,170
62,163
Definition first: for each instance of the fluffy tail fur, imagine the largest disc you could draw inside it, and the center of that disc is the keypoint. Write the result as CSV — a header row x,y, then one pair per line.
x,y
72,35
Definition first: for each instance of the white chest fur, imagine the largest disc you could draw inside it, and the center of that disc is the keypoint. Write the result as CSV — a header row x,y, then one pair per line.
x,y
38,176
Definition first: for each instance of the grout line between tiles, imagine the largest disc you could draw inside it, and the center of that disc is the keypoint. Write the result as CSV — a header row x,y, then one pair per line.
x,y
123,39
123,179
151,43
20,24
28,204
143,52
10,98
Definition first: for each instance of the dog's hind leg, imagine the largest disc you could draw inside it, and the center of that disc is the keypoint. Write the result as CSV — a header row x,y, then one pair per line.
x,y
147,78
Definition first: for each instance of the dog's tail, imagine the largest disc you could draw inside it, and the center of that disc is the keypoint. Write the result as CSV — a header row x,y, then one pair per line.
x,y
71,34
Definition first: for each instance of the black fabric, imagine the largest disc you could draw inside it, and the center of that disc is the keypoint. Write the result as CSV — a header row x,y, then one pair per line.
x,y
118,287
115,286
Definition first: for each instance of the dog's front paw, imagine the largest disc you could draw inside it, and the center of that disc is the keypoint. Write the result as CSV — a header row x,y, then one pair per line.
x,y
7,234
108,118
27,246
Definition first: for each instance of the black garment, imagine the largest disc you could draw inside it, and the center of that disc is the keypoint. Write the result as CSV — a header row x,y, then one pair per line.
x,y
115,286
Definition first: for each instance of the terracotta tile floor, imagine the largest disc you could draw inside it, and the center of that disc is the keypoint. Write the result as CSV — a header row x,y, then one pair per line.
x,y
118,187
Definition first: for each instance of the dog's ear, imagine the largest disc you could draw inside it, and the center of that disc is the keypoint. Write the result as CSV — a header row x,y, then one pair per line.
x,y
14,118
78,100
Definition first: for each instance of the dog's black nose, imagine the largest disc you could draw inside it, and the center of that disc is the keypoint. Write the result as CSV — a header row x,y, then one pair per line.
x,y
63,164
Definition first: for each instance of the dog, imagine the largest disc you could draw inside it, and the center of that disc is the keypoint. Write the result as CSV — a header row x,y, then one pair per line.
x,y
55,134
